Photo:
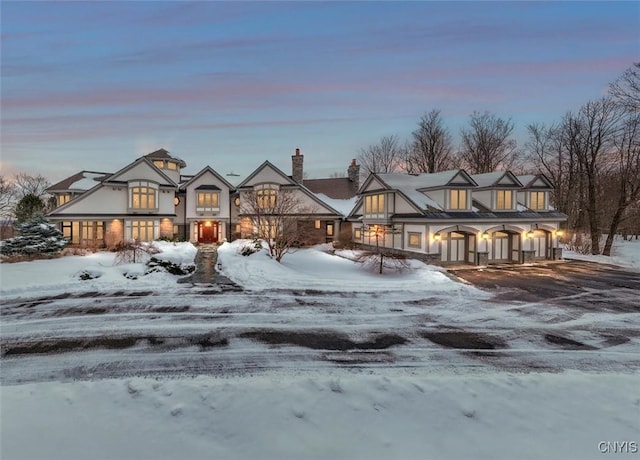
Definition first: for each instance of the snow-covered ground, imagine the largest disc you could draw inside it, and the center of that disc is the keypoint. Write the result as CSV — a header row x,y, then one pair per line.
x,y
50,276
236,375
623,254
315,268
334,415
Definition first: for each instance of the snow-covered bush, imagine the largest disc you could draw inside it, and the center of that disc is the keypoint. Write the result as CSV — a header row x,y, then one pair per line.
x,y
158,265
251,248
36,236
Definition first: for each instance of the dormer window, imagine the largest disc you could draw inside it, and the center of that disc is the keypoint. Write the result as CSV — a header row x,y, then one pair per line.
x,y
166,164
458,199
504,199
63,198
537,201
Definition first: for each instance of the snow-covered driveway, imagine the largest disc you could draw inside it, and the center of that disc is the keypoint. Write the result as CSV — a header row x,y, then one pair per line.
x,y
352,365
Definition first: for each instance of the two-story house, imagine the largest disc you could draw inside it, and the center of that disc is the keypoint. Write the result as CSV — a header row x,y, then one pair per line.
x,y
317,215
145,200
452,217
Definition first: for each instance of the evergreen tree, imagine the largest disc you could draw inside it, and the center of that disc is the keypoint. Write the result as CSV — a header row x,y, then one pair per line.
x,y
37,236
28,207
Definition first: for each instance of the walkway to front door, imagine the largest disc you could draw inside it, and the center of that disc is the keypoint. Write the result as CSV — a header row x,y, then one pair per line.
x,y
207,273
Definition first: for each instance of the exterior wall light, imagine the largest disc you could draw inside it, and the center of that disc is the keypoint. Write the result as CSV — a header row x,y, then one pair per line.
x,y
530,234
436,237
485,236
559,233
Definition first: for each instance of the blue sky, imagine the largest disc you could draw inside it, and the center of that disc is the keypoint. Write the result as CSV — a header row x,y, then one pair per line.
x,y
94,85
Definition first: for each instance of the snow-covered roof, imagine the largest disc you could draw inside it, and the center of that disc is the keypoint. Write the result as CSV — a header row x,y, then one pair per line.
x,y
408,185
418,181
342,206
83,180
89,180
496,178
526,179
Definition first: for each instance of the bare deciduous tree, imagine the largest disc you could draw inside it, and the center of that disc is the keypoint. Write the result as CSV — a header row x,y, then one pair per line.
x,y
27,184
383,157
626,177
7,197
432,146
487,145
626,89
274,216
599,122
7,204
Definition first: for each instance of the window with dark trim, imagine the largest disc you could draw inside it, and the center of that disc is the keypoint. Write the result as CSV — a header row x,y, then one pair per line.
x,y
414,240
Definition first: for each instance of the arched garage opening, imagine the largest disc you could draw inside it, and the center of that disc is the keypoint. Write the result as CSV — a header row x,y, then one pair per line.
x,y
458,245
505,244
541,242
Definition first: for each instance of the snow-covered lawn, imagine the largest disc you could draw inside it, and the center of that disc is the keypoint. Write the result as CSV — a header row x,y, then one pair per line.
x,y
62,274
314,268
271,395
335,415
624,254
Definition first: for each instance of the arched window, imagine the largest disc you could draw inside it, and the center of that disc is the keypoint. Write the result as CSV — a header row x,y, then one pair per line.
x,y
143,195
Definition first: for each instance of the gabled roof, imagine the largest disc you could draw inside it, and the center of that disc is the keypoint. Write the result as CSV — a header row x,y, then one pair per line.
x,y
81,181
413,186
209,169
163,154
267,164
499,179
208,187
535,181
289,182
339,188
149,162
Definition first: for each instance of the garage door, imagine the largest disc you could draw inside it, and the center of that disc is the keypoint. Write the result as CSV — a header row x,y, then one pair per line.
x,y
500,247
540,244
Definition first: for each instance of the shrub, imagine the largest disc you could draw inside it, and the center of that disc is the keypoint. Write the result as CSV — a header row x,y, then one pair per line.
x,y
134,252
158,265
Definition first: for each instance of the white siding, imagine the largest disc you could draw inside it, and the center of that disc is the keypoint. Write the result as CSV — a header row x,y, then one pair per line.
x,y
484,197
104,200
141,171
268,174
437,196
223,200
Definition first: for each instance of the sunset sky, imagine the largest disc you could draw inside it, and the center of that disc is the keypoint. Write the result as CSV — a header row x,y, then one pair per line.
x,y
94,85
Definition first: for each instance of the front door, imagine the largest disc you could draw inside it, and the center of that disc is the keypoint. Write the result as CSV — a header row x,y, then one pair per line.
x,y
207,232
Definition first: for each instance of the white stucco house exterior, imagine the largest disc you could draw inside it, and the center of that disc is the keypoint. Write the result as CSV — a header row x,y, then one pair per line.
x,y
452,217
314,212
449,217
145,200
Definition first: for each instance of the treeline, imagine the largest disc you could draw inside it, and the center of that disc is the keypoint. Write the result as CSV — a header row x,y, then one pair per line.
x,y
592,155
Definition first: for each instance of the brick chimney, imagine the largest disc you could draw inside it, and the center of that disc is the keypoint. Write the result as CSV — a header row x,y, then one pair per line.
x,y
354,173
297,171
